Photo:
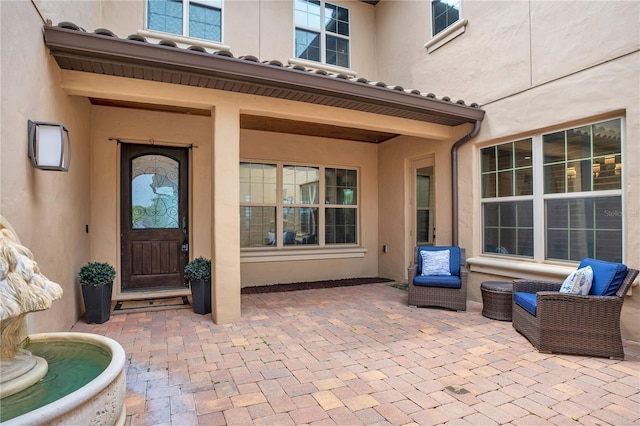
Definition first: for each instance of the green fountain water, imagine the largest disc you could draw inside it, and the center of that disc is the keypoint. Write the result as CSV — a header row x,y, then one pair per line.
x,y
71,366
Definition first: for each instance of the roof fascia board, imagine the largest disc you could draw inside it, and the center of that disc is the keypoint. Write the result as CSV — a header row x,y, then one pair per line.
x,y
64,42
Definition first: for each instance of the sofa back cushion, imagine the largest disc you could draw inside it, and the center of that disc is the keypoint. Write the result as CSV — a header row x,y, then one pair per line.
x,y
454,257
607,276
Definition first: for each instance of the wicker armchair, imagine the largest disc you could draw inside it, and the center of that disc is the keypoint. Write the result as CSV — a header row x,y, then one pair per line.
x,y
571,323
446,292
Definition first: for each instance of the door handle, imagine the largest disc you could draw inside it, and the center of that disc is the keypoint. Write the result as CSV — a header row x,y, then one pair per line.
x,y
185,242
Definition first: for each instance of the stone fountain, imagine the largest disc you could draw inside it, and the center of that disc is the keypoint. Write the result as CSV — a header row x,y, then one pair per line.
x,y
24,289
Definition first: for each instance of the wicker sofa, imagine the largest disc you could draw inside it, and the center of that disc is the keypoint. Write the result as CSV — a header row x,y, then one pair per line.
x,y
439,291
556,322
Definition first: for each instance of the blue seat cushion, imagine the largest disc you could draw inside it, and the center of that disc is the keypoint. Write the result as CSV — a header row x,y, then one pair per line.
x,y
607,276
454,257
527,301
446,281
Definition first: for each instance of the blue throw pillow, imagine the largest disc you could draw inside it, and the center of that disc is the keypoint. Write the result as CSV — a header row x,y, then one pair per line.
x,y
435,262
607,276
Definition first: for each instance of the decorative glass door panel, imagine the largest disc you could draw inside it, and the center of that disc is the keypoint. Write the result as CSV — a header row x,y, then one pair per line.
x,y
154,228
154,192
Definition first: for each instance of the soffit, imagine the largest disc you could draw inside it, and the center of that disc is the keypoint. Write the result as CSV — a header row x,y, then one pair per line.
x,y
262,123
104,53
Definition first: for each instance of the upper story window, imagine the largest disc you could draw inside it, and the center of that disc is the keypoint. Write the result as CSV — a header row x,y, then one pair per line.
x,y
322,32
444,13
555,196
283,205
190,18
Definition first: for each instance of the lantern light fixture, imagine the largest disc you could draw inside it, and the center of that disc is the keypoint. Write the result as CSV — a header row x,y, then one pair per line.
x,y
49,146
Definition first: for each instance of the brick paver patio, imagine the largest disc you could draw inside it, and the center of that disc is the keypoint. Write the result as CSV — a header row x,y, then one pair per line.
x,y
359,355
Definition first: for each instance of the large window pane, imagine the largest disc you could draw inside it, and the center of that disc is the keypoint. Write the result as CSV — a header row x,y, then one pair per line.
x,y
592,227
165,15
337,51
507,169
307,13
336,19
205,22
257,226
508,228
583,159
307,45
341,186
444,13
257,183
340,227
300,185
300,225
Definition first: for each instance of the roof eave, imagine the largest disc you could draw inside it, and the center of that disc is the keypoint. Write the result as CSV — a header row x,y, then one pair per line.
x,y
66,44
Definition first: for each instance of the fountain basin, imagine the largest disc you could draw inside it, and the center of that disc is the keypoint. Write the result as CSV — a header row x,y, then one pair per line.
x,y
101,401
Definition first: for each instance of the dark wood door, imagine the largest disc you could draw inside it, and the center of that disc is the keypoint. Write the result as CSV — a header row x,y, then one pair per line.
x,y
154,228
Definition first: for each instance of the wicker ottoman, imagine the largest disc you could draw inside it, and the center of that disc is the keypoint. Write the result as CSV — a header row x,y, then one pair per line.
x,y
496,299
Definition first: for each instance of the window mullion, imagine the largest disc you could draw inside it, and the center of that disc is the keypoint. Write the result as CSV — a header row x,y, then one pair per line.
x,y
323,35
539,245
185,18
321,216
279,207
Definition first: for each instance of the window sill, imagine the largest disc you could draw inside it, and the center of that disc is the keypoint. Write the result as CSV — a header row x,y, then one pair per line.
x,y
446,36
286,255
181,41
320,66
515,269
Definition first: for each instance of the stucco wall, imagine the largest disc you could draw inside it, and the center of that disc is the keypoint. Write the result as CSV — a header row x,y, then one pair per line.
x,y
506,46
396,230
329,152
48,209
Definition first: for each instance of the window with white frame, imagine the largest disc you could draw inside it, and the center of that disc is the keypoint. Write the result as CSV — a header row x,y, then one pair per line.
x,y
562,190
322,32
190,18
284,205
444,13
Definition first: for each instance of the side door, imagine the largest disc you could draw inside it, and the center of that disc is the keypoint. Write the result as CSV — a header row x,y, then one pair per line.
x,y
153,226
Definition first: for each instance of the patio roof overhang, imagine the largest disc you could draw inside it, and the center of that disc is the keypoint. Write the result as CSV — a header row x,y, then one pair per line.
x,y
104,53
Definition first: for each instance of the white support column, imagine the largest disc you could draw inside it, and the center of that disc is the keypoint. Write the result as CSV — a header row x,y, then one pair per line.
x,y
225,220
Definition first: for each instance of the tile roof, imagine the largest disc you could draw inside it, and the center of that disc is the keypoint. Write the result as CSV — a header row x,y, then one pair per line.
x,y
103,52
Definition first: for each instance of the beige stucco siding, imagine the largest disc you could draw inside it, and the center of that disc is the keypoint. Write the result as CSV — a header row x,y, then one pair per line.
x,y
47,209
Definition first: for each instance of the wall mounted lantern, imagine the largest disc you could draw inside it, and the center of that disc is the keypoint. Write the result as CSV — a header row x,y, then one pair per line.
x,y
49,146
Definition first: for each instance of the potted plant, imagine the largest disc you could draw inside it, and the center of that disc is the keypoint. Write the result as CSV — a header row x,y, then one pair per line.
x,y
96,280
198,272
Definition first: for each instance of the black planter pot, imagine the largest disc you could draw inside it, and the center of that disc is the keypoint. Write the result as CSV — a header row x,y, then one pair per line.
x,y
97,303
201,296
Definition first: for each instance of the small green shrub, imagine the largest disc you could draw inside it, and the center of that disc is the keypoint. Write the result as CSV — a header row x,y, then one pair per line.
x,y
198,269
96,274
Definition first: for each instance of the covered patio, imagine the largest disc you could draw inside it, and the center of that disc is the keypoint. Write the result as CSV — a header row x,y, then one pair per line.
x,y
358,355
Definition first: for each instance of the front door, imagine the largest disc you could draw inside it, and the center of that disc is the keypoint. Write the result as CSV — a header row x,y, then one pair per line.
x,y
153,225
